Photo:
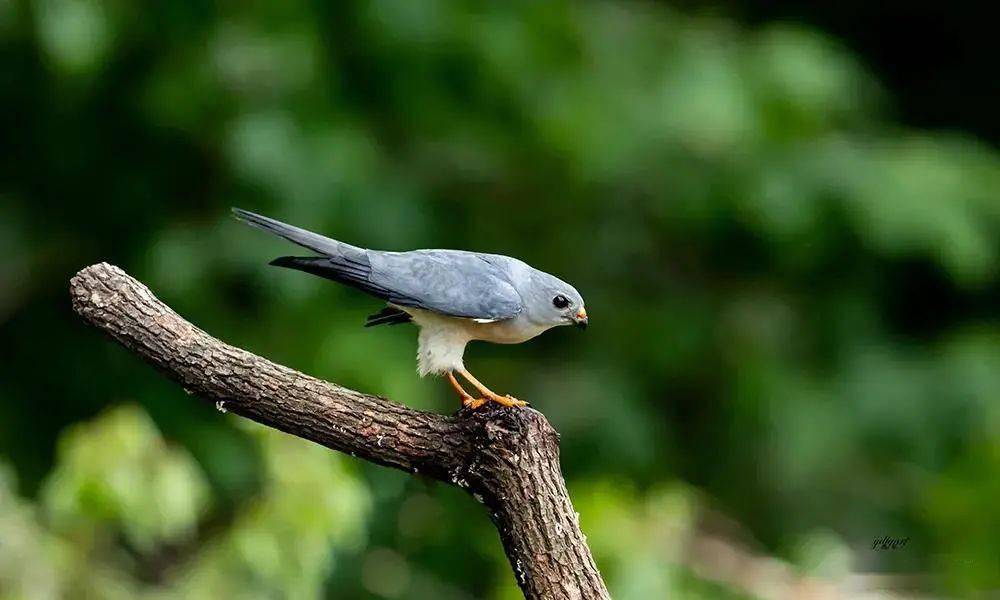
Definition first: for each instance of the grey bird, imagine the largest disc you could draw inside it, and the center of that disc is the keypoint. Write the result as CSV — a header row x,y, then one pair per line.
x,y
454,296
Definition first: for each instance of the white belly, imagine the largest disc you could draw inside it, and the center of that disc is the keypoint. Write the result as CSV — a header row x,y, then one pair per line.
x,y
441,344
442,340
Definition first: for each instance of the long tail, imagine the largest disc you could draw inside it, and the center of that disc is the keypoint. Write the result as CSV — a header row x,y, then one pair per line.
x,y
340,262
307,239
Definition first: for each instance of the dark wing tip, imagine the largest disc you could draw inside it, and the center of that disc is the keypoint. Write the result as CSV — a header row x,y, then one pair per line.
x,y
287,261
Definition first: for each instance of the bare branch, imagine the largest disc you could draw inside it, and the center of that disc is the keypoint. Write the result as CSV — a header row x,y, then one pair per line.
x,y
507,458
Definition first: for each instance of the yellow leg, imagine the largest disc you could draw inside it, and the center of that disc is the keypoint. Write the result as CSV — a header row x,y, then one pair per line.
x,y
467,400
487,393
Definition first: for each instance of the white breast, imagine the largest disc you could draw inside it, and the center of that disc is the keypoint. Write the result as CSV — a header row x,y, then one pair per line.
x,y
442,339
510,331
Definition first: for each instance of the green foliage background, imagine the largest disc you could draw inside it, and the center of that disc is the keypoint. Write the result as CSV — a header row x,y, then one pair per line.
x,y
793,298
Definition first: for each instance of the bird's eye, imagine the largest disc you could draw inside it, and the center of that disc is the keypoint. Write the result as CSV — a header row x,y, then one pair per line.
x,y
560,301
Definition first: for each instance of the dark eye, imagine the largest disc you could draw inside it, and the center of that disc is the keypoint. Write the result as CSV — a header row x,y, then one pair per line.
x,y
560,301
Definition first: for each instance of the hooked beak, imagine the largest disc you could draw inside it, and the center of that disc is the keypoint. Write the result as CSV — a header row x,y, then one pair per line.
x,y
580,318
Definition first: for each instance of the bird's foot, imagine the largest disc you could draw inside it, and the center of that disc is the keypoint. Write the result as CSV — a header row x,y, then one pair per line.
x,y
508,401
467,400
473,403
487,395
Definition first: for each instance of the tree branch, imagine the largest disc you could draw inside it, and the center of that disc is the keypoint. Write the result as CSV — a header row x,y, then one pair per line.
x,y
507,458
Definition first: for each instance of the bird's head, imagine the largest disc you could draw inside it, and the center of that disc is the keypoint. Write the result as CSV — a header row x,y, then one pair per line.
x,y
554,302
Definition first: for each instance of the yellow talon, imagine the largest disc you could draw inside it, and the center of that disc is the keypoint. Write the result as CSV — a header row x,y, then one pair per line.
x,y
473,403
487,394
508,401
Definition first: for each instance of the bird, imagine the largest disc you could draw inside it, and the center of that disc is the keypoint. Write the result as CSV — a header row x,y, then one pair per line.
x,y
453,296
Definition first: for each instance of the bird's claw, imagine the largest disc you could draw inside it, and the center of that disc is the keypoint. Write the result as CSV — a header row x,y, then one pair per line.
x,y
509,401
473,403
506,400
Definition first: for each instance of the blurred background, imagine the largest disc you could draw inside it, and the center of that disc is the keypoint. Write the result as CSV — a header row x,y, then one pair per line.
x,y
785,220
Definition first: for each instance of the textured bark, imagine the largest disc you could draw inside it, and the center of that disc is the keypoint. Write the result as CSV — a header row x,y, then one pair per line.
x,y
508,459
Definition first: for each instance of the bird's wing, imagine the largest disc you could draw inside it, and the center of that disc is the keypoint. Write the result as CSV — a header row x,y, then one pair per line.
x,y
448,282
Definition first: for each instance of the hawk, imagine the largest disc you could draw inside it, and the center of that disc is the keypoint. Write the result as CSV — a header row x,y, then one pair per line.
x,y
453,296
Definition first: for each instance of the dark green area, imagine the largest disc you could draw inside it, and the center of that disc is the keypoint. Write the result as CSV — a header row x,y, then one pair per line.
x,y
793,296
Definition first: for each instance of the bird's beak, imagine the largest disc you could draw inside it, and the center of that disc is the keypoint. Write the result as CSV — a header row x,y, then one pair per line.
x,y
581,318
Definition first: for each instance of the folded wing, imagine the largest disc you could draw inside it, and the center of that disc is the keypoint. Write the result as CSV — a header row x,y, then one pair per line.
x,y
448,282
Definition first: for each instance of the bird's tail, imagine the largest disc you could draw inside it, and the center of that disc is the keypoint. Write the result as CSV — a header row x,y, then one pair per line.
x,y
340,262
307,239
